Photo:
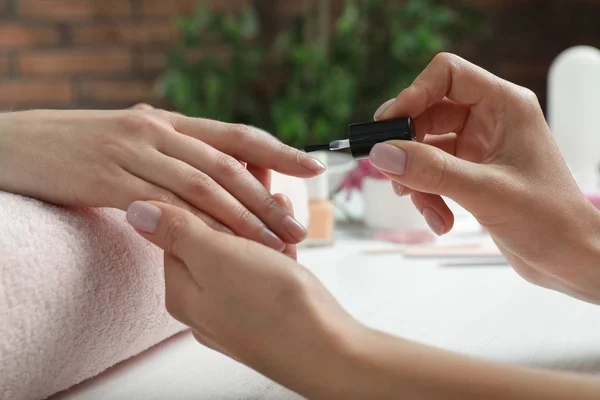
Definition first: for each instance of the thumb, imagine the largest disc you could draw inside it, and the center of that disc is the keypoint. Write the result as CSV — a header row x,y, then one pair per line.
x,y
428,169
176,231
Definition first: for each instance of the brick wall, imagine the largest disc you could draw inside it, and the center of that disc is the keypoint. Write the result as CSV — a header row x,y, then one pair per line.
x,y
108,53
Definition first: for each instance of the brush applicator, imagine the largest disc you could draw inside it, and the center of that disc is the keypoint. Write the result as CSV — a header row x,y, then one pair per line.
x,y
363,136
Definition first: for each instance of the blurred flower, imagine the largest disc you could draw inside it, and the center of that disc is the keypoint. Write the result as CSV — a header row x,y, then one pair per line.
x,y
354,179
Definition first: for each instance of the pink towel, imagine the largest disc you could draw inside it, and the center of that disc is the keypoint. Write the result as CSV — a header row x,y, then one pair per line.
x,y
79,292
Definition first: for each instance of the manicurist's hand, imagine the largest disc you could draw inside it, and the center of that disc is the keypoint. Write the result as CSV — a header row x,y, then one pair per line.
x,y
263,309
488,147
245,300
110,158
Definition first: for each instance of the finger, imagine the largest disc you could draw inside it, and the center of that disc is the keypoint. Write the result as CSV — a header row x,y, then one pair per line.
x,y
261,174
441,118
251,145
445,142
427,169
447,75
284,201
436,212
141,190
202,192
213,259
238,183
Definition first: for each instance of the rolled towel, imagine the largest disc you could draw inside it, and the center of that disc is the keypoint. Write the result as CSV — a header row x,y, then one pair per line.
x,y
80,291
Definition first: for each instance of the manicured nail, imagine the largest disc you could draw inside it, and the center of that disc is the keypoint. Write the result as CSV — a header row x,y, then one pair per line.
x,y
398,188
383,108
388,158
310,163
435,222
143,216
271,240
295,228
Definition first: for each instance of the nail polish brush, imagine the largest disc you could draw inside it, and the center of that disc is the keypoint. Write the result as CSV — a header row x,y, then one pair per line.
x,y
363,136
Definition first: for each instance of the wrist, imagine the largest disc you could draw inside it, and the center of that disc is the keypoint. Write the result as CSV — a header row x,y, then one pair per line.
x,y
581,255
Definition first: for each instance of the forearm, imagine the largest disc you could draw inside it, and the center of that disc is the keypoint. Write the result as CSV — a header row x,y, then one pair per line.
x,y
577,263
385,367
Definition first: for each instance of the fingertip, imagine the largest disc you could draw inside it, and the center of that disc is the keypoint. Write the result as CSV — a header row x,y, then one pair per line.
x,y
406,104
383,108
313,165
144,216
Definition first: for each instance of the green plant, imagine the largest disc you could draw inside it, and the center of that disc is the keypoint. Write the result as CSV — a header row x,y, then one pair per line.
x,y
324,75
212,69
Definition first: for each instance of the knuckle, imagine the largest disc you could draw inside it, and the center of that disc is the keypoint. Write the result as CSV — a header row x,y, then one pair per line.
x,y
445,58
443,167
241,132
226,165
165,197
271,205
200,184
530,97
139,122
245,216
523,95
175,229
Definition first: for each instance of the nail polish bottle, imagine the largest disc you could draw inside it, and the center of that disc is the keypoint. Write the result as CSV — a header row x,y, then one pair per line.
x,y
321,215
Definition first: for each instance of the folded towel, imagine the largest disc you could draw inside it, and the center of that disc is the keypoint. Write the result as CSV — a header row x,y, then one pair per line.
x,y
79,292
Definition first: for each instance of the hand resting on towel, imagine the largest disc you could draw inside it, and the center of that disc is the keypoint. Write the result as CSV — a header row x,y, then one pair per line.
x,y
215,170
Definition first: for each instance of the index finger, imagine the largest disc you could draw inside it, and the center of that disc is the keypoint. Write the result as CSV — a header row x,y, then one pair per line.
x,y
250,144
446,76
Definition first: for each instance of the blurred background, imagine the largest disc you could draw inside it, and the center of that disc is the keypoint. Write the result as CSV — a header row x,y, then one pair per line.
x,y
302,69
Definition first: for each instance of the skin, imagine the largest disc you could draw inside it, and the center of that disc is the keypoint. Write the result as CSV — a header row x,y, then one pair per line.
x,y
483,143
492,152
112,158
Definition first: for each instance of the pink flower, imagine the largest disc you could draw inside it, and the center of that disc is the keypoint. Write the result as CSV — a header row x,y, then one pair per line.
x,y
354,179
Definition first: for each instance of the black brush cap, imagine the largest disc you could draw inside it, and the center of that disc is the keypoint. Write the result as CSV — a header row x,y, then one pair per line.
x,y
363,136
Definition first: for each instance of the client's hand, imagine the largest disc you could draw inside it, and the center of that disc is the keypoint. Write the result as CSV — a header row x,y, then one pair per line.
x,y
490,149
111,158
247,301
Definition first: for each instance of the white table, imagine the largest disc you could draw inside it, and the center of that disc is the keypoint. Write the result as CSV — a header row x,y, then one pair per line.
x,y
483,311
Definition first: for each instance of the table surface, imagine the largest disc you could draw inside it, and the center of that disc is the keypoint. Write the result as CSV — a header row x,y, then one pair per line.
x,y
485,311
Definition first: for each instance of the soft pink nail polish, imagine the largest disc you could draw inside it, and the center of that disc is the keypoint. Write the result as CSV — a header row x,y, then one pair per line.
x,y
143,216
435,222
310,163
388,158
294,228
383,108
271,240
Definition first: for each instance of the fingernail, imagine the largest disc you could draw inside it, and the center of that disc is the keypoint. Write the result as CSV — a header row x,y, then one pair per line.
x,y
388,158
310,163
143,216
295,228
383,108
398,188
271,240
435,222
